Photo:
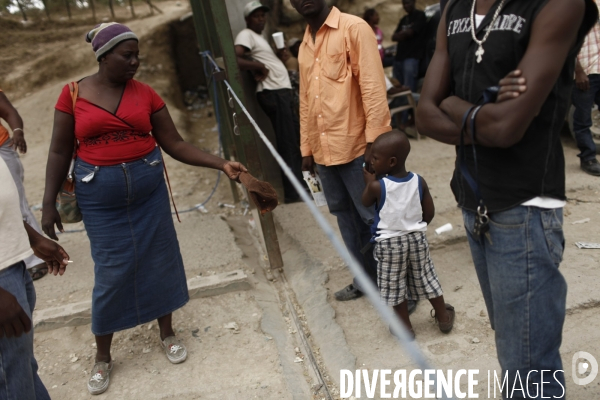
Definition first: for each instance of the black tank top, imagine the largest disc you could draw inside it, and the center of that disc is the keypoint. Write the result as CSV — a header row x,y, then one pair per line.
x,y
535,166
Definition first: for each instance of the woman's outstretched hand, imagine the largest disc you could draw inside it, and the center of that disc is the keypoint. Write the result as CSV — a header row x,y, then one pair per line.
x,y
50,218
233,169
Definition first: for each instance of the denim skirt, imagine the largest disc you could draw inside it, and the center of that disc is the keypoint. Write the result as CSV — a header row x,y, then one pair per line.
x,y
138,269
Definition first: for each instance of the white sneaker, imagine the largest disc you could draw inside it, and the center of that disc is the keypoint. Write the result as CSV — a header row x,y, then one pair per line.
x,y
175,350
100,377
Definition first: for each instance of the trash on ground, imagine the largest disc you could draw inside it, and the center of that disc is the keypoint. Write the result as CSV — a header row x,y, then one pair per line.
x,y
444,228
586,245
298,360
581,221
475,340
233,326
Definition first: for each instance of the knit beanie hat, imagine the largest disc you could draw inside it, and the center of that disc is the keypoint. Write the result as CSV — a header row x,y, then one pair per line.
x,y
106,36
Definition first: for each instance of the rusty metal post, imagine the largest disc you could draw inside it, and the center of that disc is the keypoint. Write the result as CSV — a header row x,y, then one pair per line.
x,y
214,33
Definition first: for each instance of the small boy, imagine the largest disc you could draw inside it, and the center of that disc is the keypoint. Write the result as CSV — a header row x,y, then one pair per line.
x,y
404,208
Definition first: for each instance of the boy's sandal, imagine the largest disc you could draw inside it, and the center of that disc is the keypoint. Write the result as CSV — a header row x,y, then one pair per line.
x,y
38,271
100,377
445,326
175,350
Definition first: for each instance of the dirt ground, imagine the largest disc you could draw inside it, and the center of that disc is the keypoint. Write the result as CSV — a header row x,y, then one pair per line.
x,y
282,322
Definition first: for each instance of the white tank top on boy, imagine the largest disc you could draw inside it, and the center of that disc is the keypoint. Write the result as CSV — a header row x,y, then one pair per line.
x,y
399,211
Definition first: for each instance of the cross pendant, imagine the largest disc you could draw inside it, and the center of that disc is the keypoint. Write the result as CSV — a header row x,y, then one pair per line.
x,y
479,54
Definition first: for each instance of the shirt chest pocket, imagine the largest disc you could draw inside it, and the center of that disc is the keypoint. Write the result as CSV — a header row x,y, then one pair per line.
x,y
335,66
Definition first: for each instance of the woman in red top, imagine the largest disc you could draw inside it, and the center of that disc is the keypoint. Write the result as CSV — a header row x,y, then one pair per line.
x,y
120,188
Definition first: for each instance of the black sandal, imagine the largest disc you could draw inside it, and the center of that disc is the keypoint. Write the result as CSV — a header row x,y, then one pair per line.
x,y
39,271
446,326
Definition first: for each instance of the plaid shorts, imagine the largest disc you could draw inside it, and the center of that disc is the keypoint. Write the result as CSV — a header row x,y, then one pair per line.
x,y
405,270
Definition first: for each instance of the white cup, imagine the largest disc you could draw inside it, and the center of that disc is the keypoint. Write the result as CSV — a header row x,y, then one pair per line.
x,y
278,39
444,228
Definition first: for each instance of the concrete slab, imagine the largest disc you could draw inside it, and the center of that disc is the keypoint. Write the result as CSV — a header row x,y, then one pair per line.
x,y
80,313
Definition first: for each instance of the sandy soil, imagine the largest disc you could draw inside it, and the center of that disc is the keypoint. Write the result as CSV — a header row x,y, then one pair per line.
x,y
261,361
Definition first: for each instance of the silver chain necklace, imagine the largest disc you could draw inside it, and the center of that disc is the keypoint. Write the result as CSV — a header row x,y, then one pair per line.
x,y
480,51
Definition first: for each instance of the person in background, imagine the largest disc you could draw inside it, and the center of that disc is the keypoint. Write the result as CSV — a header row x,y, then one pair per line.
x,y
294,46
8,152
273,90
343,109
121,125
289,56
371,16
19,377
586,93
411,45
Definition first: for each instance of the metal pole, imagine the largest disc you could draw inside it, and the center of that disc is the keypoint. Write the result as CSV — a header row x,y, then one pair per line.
x,y
201,24
218,39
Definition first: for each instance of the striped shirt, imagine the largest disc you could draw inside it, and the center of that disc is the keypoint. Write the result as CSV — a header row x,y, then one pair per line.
x,y
589,55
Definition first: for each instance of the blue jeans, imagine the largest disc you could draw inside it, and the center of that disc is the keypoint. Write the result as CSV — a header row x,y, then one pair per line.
x,y
407,72
343,186
524,292
134,245
18,369
582,118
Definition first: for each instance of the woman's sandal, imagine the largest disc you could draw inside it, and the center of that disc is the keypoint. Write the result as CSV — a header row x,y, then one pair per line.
x,y
445,326
38,271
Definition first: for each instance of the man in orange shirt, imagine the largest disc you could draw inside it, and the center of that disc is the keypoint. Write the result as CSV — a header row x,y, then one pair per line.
x,y
343,109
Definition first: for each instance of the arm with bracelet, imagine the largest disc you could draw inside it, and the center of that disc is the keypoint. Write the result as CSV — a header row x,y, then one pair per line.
x,y
14,120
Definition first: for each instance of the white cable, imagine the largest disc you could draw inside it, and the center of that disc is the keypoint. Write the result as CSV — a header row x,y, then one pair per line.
x,y
367,285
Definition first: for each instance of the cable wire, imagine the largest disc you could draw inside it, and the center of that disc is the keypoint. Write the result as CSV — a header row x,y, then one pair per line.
x,y
400,332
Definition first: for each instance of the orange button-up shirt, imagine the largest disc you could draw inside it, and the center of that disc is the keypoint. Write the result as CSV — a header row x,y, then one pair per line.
x,y
343,101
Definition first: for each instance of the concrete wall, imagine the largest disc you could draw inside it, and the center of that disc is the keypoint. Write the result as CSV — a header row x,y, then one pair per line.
x,y
235,10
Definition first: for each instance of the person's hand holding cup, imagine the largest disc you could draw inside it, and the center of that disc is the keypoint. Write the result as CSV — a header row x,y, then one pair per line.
x,y
278,39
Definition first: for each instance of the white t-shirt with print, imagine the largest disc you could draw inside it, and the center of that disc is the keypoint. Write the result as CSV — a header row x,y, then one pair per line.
x,y
262,52
13,237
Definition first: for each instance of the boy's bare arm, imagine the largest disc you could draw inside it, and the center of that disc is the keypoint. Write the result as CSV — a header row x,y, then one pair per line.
x,y
372,191
427,203
371,194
